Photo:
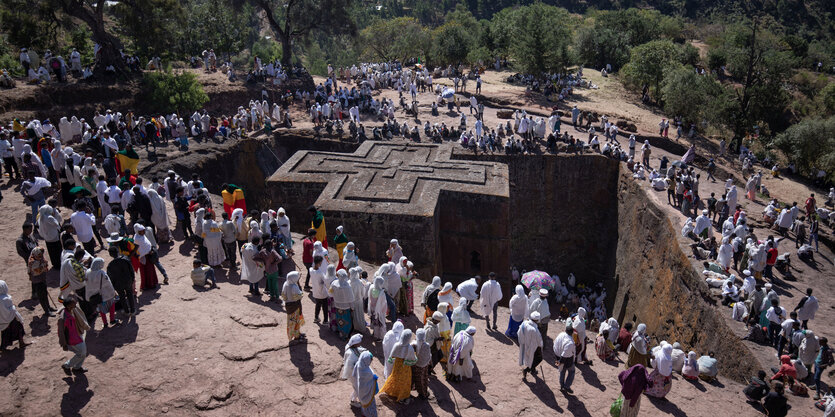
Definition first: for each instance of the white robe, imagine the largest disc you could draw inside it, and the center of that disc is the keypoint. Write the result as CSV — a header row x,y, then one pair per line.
x,y
460,362
529,340
491,293
391,338
250,270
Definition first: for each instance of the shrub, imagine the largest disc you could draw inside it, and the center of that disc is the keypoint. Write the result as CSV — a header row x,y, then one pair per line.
x,y
172,92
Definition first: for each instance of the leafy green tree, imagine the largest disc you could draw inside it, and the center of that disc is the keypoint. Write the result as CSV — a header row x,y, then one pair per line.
x,y
170,92
648,61
294,20
810,144
687,94
598,46
225,27
826,99
451,43
400,38
541,38
146,39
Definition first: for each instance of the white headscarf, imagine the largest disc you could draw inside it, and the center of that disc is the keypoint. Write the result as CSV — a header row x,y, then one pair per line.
x,y
362,379
290,291
663,360
343,296
519,304
8,311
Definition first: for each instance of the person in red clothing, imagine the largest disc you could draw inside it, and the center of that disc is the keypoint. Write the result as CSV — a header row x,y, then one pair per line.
x,y
771,258
737,213
73,337
625,337
307,255
811,206
787,372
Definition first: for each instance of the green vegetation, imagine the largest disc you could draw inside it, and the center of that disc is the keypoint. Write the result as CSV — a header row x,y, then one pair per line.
x,y
759,66
170,92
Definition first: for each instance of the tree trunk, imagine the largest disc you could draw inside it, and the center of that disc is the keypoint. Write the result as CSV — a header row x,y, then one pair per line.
x,y
286,51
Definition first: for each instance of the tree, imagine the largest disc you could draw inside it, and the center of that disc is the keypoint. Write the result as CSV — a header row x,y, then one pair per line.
x,y
761,64
541,35
294,20
150,39
599,45
810,144
687,94
451,43
92,14
170,92
826,99
400,38
647,63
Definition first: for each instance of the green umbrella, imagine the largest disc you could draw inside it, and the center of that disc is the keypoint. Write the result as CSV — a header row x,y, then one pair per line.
x,y
79,190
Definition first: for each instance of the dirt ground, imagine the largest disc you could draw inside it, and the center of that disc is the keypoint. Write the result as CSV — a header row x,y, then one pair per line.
x,y
222,352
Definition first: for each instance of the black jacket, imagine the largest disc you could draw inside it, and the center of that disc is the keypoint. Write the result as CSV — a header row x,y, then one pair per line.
x,y
121,273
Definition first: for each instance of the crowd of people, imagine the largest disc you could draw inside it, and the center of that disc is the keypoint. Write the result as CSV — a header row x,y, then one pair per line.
x,y
80,201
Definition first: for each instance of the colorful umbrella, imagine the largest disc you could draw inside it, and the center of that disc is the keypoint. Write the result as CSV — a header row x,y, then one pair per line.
x,y
537,280
448,93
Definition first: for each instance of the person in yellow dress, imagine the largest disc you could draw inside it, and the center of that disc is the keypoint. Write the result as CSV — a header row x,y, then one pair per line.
x,y
398,386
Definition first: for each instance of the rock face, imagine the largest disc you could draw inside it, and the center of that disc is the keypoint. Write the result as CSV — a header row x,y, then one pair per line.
x,y
656,284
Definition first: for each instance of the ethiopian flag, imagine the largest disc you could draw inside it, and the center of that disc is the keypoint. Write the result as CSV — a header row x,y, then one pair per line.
x,y
127,159
318,223
233,199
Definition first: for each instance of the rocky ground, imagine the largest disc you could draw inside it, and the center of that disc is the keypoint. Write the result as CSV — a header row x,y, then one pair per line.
x,y
222,352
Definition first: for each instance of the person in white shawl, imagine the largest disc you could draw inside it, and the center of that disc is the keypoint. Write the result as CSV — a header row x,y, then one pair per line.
x,y
97,282
518,312
732,198
806,308
661,376
460,317
254,230
349,256
353,351
702,227
809,347
394,251
358,289
319,250
539,303
530,345
725,254
343,300
283,222
579,325
377,307
749,284
460,361
391,338
8,315
251,271
159,216
364,382
491,294
213,241
612,326
264,225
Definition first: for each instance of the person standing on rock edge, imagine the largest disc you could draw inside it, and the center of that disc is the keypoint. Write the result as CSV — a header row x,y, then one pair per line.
x,y
307,255
318,224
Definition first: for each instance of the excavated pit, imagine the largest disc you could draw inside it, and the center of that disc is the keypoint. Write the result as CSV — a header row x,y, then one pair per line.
x,y
582,214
